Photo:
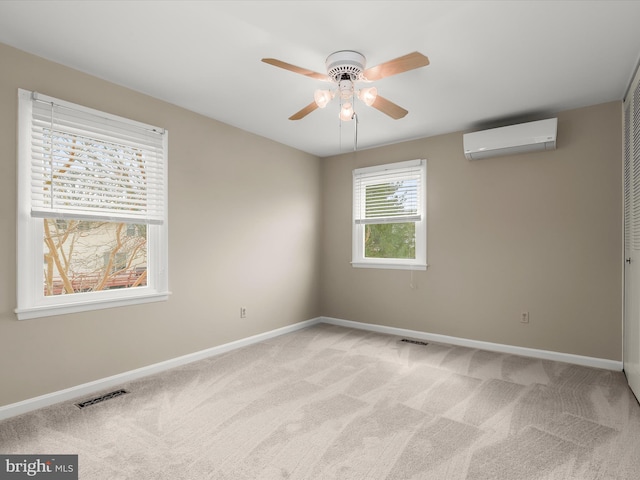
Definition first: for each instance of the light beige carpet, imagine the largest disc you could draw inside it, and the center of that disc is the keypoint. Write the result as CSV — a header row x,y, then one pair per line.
x,y
334,403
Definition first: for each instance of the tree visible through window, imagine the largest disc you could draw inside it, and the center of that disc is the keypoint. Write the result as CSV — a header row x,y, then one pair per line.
x,y
394,240
390,216
89,256
390,240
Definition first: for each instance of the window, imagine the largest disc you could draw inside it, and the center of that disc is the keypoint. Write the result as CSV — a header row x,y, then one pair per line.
x,y
92,207
389,216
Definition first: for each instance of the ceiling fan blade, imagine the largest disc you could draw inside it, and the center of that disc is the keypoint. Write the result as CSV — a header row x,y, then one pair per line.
x,y
294,69
398,65
304,112
389,108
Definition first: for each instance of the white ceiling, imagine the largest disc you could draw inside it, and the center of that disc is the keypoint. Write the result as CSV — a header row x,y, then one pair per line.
x,y
492,62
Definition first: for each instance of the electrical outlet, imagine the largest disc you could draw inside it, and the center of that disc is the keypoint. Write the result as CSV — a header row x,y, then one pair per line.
x,y
524,317
243,312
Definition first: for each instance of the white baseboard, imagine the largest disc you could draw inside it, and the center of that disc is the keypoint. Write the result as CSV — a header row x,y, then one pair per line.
x,y
494,347
89,388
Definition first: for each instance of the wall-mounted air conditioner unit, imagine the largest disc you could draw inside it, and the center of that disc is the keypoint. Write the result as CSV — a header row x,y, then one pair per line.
x,y
510,140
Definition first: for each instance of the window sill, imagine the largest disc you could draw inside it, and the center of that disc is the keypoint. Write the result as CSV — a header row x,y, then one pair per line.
x,y
62,309
389,266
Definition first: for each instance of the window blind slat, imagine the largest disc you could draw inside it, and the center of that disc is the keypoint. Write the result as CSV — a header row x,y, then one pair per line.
x,y
89,166
77,123
388,196
377,220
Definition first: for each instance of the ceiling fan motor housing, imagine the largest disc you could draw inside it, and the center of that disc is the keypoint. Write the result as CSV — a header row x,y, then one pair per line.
x,y
345,63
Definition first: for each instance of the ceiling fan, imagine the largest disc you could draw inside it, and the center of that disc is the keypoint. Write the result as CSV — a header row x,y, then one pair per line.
x,y
345,68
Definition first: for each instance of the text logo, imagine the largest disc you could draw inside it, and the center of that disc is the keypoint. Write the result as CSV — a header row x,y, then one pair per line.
x,y
46,467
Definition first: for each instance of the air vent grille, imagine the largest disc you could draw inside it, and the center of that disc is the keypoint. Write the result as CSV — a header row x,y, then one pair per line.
x,y
101,398
415,342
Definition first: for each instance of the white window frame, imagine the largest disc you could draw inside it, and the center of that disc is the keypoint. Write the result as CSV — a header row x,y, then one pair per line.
x,y
420,218
31,301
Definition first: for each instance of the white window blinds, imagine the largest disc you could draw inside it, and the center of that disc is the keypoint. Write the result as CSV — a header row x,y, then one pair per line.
x,y
94,166
389,193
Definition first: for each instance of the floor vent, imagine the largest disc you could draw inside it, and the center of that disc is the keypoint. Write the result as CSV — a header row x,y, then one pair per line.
x,y
101,398
415,342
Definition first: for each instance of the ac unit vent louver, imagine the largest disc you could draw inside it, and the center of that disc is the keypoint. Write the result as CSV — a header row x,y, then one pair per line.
x,y
511,140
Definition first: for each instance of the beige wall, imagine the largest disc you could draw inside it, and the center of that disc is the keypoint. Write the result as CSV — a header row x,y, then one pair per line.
x,y
244,220
538,232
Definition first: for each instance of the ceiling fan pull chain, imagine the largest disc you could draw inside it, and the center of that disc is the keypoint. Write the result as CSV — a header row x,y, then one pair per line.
x,y
355,131
340,122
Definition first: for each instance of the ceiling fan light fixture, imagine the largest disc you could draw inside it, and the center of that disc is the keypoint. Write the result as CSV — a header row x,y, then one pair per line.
x,y
346,112
322,97
368,95
346,89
